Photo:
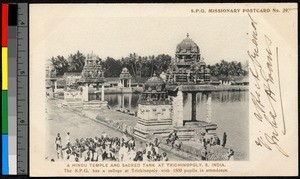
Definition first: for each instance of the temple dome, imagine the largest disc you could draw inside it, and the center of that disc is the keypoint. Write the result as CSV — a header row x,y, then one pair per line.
x,y
155,79
125,73
125,70
154,84
187,45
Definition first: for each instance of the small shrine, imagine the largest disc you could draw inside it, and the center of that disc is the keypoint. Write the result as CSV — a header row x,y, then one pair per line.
x,y
154,110
188,66
92,76
125,78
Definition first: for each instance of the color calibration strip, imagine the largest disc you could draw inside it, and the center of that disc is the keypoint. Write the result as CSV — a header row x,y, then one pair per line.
x,y
9,89
4,106
12,86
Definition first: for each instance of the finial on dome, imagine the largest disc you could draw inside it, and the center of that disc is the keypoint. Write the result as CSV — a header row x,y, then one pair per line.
x,y
187,35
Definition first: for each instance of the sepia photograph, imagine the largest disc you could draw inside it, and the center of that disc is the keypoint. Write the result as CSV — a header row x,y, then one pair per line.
x,y
147,83
140,89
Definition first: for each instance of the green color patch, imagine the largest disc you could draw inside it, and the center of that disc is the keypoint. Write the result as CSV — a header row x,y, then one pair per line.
x,y
4,107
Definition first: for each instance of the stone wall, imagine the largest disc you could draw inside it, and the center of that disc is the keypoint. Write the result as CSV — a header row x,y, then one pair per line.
x,y
116,125
159,112
177,114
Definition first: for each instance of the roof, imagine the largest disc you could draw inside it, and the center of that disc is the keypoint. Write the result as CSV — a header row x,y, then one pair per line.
x,y
226,78
214,78
125,73
155,79
134,80
187,45
112,79
231,78
241,79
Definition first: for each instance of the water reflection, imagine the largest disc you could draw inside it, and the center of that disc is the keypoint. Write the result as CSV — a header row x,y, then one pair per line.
x,y
230,96
130,100
229,111
218,97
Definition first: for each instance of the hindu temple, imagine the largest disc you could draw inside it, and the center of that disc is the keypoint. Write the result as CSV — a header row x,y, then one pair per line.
x,y
125,81
154,110
125,78
160,107
92,77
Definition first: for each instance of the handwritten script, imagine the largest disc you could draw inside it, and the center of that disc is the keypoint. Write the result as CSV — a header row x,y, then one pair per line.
x,y
266,96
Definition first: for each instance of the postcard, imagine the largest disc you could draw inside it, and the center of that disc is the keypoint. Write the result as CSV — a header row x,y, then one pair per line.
x,y
188,89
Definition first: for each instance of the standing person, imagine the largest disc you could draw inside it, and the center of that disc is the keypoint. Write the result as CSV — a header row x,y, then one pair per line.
x,y
59,152
156,144
230,154
144,155
68,139
58,146
57,141
131,142
224,139
204,153
165,158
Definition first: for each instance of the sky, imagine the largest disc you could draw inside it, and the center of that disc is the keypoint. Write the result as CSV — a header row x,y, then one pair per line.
x,y
118,30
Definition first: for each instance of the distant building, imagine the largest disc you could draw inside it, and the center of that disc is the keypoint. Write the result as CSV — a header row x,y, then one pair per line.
x,y
233,80
125,79
241,80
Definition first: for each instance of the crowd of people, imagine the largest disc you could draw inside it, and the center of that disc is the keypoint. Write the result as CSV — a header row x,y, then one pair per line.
x,y
105,148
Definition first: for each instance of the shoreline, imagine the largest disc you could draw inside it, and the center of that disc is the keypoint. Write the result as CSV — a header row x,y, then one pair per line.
x,y
137,90
117,90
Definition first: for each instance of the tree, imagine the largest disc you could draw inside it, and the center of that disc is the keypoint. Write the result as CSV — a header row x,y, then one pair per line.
x,y
225,68
76,62
60,64
112,67
245,67
162,62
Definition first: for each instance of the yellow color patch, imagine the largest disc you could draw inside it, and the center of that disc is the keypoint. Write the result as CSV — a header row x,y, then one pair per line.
x,y
4,68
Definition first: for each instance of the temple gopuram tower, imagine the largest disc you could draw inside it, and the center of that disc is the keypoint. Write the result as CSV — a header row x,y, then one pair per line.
x,y
188,66
154,110
92,75
188,76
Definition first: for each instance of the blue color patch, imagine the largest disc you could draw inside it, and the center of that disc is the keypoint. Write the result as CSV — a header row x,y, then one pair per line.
x,y
5,170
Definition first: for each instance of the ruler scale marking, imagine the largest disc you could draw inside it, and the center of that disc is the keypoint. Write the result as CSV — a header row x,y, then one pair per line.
x,y
22,88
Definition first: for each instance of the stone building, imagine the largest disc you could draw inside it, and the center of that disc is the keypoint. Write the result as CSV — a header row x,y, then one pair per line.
x,y
160,108
92,75
189,67
51,78
154,110
125,79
